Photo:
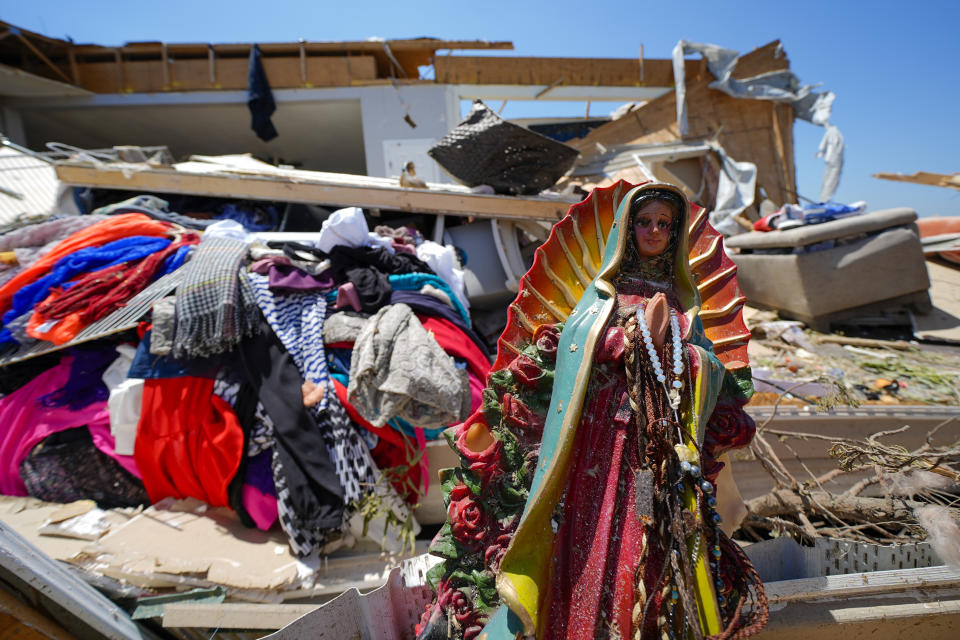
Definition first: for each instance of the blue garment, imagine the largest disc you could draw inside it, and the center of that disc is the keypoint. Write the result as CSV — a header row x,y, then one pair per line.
x,y
149,366
174,262
260,98
297,320
80,262
249,219
828,211
416,281
338,361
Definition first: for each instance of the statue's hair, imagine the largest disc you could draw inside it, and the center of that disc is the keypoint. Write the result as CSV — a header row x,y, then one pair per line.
x,y
658,266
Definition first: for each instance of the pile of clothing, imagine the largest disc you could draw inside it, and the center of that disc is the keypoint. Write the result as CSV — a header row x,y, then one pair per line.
x,y
791,216
289,381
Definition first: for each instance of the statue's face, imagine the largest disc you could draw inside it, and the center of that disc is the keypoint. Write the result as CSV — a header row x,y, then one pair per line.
x,y
651,227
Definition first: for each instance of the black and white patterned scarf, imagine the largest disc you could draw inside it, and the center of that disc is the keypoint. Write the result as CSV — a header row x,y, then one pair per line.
x,y
215,306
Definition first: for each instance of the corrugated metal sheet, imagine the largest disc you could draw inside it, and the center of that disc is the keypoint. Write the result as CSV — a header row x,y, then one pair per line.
x,y
28,184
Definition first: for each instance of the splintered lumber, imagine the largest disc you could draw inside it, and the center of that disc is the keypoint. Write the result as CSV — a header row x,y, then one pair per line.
x,y
924,177
314,187
758,131
592,72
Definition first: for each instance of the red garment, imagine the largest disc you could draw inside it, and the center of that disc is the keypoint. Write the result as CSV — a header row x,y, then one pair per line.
x,y
119,226
391,450
385,432
456,343
189,441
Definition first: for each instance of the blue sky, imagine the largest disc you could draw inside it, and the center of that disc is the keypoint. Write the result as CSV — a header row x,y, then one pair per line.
x,y
892,65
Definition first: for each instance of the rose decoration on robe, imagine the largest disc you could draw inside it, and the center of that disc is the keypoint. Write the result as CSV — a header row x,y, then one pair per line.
x,y
729,427
469,619
493,554
520,419
547,337
487,463
469,522
526,372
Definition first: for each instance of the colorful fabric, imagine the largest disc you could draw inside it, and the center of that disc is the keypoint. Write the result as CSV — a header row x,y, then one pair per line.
x,y
215,306
416,281
26,422
79,263
96,235
64,314
32,242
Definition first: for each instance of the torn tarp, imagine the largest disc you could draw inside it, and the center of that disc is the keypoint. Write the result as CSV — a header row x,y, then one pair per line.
x,y
736,187
782,86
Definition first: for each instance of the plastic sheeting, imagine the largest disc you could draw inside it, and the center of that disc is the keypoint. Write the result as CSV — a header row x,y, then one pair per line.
x,y
735,192
781,86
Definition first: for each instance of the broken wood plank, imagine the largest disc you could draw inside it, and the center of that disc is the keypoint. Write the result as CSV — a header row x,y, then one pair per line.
x,y
924,177
603,72
330,189
901,345
233,615
152,76
862,584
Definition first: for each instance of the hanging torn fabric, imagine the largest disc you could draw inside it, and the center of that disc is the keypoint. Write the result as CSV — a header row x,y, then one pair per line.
x,y
310,497
260,98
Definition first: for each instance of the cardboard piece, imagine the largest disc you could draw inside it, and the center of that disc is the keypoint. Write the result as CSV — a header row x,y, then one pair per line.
x,y
189,539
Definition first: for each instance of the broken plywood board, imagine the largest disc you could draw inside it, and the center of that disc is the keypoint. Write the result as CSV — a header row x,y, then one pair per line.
x,y
943,321
233,615
311,187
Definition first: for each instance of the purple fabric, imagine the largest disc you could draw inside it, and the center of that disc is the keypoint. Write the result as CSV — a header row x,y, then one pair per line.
x,y
260,472
288,278
430,306
262,266
85,383
259,494
26,422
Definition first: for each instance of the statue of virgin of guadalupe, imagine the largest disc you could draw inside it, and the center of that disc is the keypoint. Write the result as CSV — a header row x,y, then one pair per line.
x,y
589,498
